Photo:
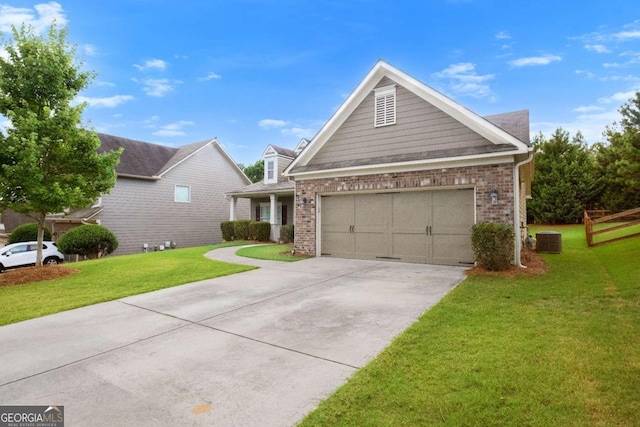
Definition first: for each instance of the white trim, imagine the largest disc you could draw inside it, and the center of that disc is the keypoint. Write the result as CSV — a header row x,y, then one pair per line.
x,y
467,117
269,151
175,189
268,204
490,159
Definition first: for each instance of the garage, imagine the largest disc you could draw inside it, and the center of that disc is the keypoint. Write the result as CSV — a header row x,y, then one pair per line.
x,y
431,227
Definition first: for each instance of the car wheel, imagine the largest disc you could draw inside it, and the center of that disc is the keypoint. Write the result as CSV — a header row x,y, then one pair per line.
x,y
1,268
51,261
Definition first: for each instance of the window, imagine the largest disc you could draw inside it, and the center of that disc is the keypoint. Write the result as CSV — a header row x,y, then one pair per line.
x,y
265,213
385,106
271,166
183,194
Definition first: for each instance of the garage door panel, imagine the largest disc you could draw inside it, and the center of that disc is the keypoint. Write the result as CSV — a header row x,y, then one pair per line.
x,y
410,247
452,249
370,245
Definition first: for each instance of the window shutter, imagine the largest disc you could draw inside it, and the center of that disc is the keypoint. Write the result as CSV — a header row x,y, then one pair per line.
x,y
284,214
385,106
258,213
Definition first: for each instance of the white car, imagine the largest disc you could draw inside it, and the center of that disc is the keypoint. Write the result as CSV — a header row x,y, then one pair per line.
x,y
24,254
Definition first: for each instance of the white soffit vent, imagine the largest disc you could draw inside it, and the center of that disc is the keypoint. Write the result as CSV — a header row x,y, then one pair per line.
x,y
385,106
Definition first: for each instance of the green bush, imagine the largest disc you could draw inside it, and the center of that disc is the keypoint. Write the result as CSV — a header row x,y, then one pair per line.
x,y
241,229
91,241
227,230
286,233
260,231
492,245
27,233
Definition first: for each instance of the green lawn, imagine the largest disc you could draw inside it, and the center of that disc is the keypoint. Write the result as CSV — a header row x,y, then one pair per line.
x,y
111,278
562,349
270,252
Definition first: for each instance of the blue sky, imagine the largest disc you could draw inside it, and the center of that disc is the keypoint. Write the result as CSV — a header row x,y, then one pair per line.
x,y
258,72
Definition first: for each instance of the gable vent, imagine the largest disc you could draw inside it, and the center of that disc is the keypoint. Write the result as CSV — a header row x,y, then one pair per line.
x,y
385,106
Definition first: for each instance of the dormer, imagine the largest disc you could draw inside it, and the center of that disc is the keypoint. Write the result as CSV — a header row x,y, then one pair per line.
x,y
276,159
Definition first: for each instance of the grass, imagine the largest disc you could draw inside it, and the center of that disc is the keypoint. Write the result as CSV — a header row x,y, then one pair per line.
x,y
562,349
273,252
112,278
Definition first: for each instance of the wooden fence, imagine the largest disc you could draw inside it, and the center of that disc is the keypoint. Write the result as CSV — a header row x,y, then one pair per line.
x,y
628,218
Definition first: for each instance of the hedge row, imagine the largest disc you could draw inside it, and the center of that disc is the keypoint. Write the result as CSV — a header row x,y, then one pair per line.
x,y
245,229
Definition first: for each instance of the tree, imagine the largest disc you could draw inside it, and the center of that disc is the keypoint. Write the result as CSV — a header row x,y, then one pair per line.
x,y
255,172
566,180
49,162
619,159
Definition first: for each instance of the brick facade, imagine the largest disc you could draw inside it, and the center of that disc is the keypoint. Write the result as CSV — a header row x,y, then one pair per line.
x,y
483,178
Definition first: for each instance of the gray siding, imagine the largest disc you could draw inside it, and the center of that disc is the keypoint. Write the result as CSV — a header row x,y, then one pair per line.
x,y
283,162
142,211
420,127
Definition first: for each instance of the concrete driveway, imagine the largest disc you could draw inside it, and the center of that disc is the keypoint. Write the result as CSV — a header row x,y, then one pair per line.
x,y
260,348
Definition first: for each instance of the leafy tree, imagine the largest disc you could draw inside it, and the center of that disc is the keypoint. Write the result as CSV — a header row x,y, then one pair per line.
x,y
49,162
619,159
255,172
566,180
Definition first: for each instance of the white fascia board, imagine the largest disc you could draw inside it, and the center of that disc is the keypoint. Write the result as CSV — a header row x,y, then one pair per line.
x,y
454,162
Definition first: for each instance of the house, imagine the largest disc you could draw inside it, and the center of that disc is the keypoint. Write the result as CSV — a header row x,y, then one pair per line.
x,y
272,199
402,172
162,195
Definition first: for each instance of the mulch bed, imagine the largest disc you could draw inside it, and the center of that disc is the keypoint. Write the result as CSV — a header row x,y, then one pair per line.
x,y
535,267
23,275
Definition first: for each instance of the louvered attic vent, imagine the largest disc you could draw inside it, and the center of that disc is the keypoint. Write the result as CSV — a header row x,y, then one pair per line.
x,y
385,106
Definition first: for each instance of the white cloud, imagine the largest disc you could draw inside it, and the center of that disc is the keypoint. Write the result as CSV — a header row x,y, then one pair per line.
x,y
157,64
592,125
210,76
586,73
618,97
588,108
107,102
89,50
611,65
598,48
298,132
627,35
465,81
503,35
104,83
533,61
173,129
157,87
271,123
151,122
40,18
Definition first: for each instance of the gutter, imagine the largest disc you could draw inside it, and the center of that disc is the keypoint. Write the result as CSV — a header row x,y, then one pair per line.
x,y
516,209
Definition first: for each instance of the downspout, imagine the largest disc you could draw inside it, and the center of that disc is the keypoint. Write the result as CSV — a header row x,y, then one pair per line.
x,y
516,209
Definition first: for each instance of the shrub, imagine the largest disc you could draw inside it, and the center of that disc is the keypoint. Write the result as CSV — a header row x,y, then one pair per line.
x,y
241,229
286,233
260,230
492,245
91,241
26,233
227,230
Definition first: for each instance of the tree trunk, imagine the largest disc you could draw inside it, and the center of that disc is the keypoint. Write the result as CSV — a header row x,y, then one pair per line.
x,y
41,218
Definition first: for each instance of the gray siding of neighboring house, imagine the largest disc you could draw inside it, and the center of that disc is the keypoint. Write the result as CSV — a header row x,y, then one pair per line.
x,y
143,211
419,127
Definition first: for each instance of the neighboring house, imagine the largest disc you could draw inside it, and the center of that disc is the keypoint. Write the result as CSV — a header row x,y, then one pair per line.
x,y
272,199
402,172
162,194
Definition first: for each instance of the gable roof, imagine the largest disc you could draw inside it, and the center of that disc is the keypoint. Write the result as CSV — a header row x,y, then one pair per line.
x,y
144,160
504,132
280,151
